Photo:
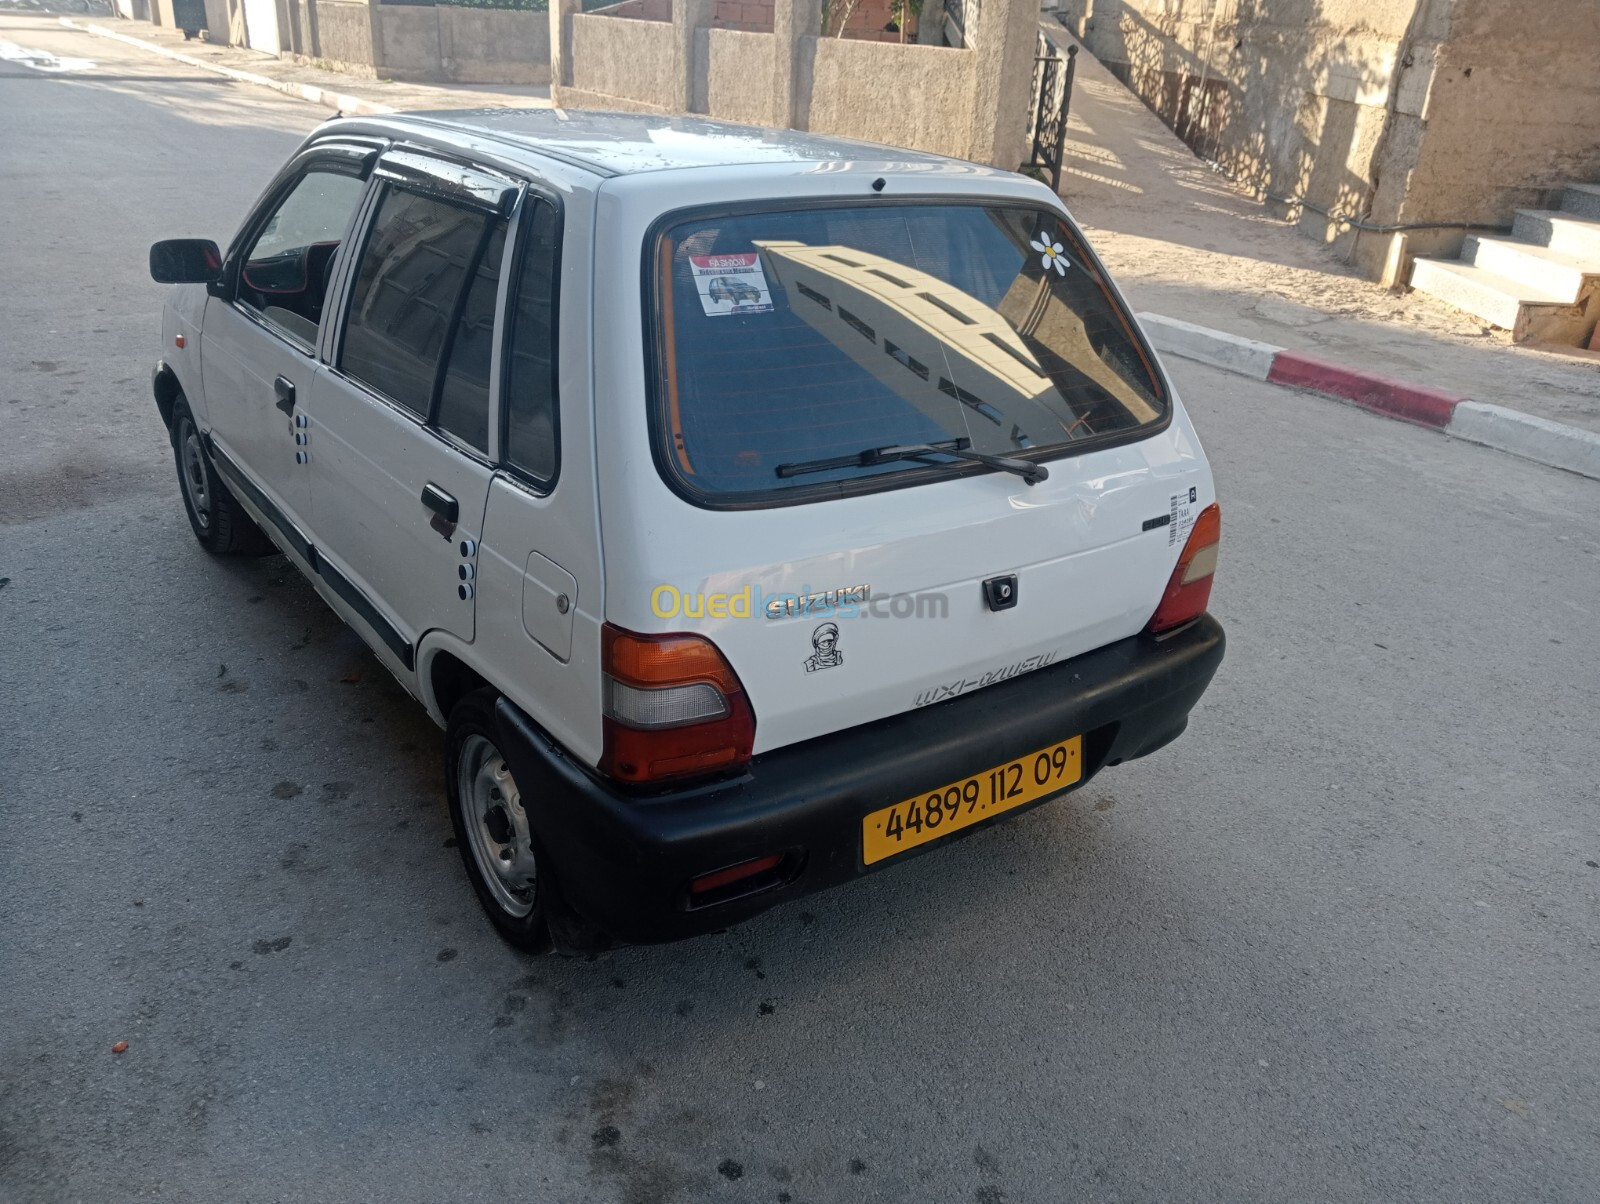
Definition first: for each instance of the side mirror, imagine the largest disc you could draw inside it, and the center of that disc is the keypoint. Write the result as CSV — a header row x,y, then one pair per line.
x,y
185,261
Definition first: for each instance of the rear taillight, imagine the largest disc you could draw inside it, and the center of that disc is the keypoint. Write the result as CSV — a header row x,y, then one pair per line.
x,y
1189,590
673,708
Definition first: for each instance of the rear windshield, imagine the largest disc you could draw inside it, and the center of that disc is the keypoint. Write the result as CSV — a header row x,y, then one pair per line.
x,y
788,338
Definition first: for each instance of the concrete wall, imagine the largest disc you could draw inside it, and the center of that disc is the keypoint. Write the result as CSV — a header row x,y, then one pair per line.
x,y
737,82
405,40
970,103
841,85
493,45
217,20
865,19
332,31
1395,111
625,60
345,31
443,44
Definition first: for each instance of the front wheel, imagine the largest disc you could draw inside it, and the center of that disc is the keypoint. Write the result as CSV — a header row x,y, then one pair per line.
x,y
491,820
219,522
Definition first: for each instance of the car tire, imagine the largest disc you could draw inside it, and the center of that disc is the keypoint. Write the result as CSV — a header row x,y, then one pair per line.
x,y
494,835
220,524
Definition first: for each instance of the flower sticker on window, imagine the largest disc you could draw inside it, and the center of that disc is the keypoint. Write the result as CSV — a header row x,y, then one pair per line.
x,y
1052,256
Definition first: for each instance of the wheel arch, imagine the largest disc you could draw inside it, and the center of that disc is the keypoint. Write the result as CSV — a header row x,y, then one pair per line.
x,y
168,389
446,674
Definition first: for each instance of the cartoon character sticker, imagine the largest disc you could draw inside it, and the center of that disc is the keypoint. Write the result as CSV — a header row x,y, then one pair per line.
x,y
826,654
731,284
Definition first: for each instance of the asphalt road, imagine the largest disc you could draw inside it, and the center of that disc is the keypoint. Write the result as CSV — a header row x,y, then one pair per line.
x,y
1337,943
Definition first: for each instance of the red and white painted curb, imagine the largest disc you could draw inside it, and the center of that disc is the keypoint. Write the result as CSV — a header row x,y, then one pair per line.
x,y
341,101
1553,443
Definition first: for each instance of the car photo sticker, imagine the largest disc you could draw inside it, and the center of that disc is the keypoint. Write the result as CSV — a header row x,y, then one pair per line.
x,y
1183,515
825,652
731,284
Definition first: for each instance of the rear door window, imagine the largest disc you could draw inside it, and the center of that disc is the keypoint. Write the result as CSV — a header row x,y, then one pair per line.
x,y
784,339
408,298
531,431
464,392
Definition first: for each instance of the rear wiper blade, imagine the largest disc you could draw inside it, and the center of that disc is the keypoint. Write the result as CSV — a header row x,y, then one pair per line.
x,y
959,448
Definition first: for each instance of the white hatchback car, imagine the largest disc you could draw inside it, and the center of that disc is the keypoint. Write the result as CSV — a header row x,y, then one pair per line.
x,y
754,510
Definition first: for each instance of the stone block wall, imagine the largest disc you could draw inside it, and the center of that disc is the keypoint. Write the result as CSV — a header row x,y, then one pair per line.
x,y
1513,111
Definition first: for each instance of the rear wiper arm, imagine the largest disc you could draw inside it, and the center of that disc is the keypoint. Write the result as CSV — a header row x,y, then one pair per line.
x,y
959,448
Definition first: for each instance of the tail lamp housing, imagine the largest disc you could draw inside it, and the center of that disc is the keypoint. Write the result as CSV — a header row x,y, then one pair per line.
x,y
673,708
1189,589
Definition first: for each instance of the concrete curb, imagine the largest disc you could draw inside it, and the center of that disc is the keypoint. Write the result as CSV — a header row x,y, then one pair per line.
x,y
1226,351
1551,443
1532,438
340,101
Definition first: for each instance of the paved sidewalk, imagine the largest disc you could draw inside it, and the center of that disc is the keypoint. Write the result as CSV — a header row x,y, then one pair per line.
x,y
335,86
1187,244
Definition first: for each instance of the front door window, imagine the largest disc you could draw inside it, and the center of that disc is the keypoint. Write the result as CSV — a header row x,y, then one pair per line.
x,y
285,275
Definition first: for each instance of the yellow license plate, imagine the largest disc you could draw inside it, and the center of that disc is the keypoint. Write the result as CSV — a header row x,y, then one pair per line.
x,y
961,804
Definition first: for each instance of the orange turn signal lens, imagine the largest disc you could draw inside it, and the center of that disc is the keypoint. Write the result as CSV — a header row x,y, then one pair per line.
x,y
664,660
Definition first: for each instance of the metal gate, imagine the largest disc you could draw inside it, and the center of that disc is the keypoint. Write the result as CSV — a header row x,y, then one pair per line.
x,y
1052,99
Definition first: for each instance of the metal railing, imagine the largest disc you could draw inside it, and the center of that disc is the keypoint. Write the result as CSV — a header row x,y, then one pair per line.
x,y
1052,101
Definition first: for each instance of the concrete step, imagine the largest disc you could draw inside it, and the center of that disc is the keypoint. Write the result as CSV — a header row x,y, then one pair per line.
x,y
1530,314
1582,200
1559,231
1565,277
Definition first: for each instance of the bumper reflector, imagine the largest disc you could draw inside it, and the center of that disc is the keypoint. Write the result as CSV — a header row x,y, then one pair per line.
x,y
734,873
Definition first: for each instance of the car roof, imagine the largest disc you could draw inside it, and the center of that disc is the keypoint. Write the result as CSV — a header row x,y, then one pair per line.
x,y
618,144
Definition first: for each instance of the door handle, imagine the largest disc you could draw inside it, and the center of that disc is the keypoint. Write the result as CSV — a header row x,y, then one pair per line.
x,y
441,503
284,388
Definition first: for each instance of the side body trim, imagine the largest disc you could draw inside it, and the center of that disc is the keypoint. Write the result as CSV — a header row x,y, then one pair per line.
x,y
292,535
362,605
297,541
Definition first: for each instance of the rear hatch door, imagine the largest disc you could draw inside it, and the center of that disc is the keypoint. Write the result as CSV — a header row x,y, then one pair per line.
x,y
797,358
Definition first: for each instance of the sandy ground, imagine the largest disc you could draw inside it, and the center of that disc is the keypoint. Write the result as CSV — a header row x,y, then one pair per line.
x,y
1184,242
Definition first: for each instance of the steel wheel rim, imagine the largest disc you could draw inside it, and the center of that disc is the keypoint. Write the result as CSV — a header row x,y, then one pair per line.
x,y
497,827
192,469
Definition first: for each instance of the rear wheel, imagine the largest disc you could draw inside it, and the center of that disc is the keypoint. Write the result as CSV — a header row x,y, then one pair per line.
x,y
219,522
492,824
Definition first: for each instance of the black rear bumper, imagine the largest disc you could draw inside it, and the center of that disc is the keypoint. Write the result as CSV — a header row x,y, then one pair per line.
x,y
623,861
